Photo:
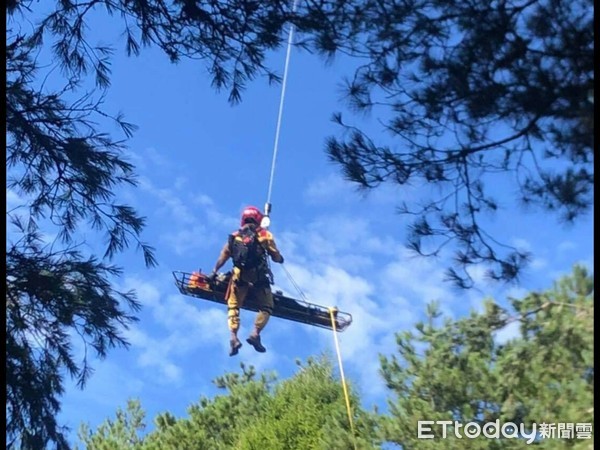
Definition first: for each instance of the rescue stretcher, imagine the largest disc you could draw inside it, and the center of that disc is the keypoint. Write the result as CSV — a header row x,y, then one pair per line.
x,y
199,285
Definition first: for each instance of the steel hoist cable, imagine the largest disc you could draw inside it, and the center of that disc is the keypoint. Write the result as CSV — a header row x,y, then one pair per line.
x,y
280,114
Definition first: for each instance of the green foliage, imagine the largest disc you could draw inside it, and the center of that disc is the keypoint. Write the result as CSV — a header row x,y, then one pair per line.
x,y
306,411
457,370
124,432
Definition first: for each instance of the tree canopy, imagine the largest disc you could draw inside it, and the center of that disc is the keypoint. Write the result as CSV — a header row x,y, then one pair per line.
x,y
306,411
459,370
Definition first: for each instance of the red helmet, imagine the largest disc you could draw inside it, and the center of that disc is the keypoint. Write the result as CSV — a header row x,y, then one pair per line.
x,y
251,214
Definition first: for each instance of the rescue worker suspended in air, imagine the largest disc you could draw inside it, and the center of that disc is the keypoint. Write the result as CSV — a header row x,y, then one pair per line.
x,y
248,249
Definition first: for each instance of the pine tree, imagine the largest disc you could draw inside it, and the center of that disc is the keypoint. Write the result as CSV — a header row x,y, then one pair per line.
x,y
456,370
306,411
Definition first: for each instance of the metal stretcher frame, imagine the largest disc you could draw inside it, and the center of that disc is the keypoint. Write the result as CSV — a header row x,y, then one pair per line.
x,y
200,286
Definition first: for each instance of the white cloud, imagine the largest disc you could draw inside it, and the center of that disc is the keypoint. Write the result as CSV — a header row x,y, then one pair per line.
x,y
385,296
566,246
477,274
330,188
421,279
338,240
365,338
262,362
170,203
157,159
516,293
149,160
333,188
222,221
189,240
521,244
384,301
193,222
203,200
539,263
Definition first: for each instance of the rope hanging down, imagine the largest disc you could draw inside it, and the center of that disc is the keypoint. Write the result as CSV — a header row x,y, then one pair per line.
x,y
280,114
337,349
332,311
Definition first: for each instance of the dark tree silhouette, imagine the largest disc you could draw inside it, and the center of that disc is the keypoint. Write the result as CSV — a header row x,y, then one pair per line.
x,y
472,92
66,171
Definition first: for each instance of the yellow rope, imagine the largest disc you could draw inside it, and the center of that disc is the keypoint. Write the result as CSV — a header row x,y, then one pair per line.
x,y
337,349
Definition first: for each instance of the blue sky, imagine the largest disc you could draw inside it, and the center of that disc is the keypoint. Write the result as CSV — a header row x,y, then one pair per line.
x,y
200,161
